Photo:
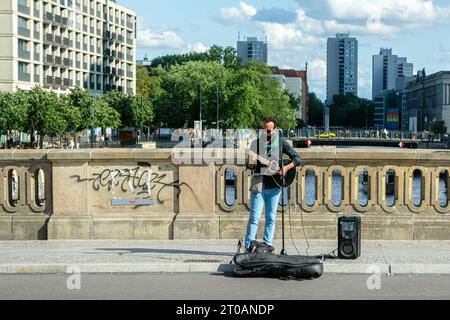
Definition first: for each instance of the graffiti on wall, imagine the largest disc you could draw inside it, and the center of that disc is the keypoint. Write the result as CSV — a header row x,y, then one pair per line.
x,y
142,181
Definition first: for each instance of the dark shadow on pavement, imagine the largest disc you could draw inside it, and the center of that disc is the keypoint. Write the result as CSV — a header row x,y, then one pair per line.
x,y
164,251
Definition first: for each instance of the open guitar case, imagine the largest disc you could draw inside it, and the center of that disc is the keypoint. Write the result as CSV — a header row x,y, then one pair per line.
x,y
262,263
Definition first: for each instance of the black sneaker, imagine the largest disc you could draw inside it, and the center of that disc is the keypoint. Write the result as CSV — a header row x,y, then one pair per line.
x,y
271,249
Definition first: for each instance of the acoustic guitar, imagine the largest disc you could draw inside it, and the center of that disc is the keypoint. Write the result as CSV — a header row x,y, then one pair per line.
x,y
271,168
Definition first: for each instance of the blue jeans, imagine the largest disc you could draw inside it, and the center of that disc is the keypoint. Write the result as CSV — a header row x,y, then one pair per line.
x,y
270,199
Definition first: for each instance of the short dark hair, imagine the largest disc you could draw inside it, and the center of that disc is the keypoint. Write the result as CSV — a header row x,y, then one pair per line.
x,y
269,119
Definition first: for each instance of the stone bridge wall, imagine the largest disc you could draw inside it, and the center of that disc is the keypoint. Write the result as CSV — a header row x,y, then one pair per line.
x,y
92,195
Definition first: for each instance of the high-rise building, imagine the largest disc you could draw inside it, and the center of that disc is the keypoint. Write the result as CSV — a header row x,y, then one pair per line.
x,y
386,69
252,49
67,43
342,66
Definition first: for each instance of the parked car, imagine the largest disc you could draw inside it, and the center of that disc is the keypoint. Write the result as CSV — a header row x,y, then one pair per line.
x,y
326,135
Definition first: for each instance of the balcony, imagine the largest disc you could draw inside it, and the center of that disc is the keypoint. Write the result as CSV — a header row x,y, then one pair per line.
x,y
99,87
67,83
85,66
65,22
78,45
48,17
107,70
78,83
85,84
120,55
129,25
24,77
85,47
37,78
92,68
58,61
120,72
67,62
129,74
58,19
49,59
66,42
48,38
92,49
85,28
58,39
37,13
92,86
129,57
37,57
37,35
78,64
48,80
129,41
23,9
99,14
58,81
85,9
24,32
24,54
92,30
99,68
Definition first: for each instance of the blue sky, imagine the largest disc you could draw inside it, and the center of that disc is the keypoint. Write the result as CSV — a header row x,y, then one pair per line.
x,y
297,30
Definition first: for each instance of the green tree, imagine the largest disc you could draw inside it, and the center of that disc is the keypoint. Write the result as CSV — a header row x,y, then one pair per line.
x,y
42,106
439,127
80,99
230,58
345,111
13,112
215,54
134,111
104,116
316,109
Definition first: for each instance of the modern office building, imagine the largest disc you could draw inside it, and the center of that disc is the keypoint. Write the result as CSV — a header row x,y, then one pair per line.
x,y
342,66
252,49
296,83
428,100
386,69
59,44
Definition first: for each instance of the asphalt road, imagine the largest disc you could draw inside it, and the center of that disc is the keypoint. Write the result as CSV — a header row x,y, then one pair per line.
x,y
218,287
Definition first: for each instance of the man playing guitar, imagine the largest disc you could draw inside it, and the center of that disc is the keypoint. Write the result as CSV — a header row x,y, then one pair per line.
x,y
265,190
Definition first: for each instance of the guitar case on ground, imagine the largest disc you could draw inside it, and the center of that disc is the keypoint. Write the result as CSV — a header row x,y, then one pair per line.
x,y
264,264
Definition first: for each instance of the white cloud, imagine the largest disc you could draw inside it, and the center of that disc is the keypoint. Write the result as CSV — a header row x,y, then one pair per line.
x,y
391,11
237,14
318,70
196,47
164,38
167,39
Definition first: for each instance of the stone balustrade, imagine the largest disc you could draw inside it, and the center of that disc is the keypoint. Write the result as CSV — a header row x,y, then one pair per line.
x,y
144,194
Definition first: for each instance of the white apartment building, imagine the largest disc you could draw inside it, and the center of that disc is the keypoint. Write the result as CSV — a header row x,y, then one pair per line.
x,y
342,66
59,44
387,68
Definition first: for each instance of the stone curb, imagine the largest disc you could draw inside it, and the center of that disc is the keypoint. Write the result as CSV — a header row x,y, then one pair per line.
x,y
329,268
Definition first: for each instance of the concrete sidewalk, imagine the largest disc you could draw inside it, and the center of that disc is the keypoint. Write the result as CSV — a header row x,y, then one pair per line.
x,y
201,256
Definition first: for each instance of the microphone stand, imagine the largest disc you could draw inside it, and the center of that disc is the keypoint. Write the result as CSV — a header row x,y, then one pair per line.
x,y
283,179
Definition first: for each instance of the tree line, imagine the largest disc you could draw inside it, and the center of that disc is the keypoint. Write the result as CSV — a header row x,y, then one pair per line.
x,y
44,113
214,85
